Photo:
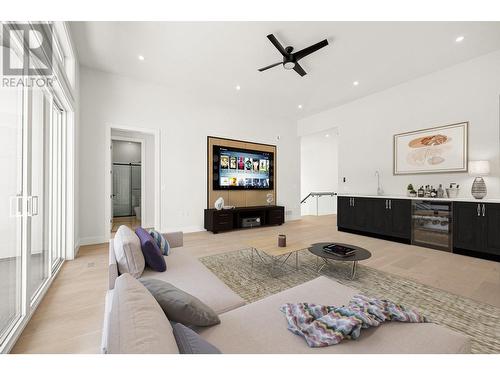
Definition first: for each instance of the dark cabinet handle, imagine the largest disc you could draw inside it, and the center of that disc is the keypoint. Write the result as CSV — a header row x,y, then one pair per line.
x,y
386,204
390,204
484,210
478,209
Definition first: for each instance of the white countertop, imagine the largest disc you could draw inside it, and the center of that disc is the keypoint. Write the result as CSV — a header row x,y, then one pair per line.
x,y
458,199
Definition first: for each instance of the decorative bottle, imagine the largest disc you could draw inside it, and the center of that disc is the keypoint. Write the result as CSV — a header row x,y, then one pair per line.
x,y
440,191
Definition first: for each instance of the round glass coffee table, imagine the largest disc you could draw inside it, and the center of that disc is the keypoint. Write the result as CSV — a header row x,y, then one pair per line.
x,y
327,258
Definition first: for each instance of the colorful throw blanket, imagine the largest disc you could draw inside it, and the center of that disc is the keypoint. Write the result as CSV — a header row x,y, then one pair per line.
x,y
328,325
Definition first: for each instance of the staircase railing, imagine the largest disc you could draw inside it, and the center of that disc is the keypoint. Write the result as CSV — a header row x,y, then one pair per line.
x,y
317,195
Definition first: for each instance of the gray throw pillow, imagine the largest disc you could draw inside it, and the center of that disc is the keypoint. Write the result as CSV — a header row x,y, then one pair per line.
x,y
189,342
180,306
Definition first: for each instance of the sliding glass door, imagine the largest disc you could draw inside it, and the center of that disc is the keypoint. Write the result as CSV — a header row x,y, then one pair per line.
x,y
38,189
57,173
11,206
33,203
34,188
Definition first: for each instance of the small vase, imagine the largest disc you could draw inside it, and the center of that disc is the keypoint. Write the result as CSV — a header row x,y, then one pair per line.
x,y
479,188
281,240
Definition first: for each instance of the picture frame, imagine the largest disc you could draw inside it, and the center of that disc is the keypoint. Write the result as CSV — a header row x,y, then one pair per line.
x,y
441,149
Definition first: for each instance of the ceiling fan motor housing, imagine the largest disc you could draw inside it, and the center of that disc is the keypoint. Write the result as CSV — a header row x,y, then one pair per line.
x,y
289,61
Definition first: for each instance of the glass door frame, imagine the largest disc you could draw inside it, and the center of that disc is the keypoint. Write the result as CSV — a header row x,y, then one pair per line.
x,y
20,218
63,94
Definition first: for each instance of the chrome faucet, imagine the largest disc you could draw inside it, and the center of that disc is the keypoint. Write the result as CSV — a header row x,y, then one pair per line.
x,y
379,189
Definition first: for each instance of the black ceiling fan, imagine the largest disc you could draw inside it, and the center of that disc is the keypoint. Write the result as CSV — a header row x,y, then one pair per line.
x,y
291,60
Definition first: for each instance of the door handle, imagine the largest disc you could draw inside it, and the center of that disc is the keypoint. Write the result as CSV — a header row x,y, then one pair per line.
x,y
386,204
16,206
478,209
32,205
484,210
353,202
390,205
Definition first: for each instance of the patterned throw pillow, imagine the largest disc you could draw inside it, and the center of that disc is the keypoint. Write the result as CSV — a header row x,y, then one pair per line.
x,y
161,241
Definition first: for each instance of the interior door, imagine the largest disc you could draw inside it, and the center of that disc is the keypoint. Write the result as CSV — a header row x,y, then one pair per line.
x,y
135,175
122,190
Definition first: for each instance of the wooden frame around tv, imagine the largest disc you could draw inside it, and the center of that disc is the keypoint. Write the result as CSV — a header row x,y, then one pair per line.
x,y
238,198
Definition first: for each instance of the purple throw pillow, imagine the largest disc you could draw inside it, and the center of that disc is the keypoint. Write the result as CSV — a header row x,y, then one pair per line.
x,y
152,253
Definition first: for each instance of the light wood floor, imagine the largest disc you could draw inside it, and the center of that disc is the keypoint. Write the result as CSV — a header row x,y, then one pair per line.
x,y
69,318
130,221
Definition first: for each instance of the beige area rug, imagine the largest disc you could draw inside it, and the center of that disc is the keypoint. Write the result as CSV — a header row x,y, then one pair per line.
x,y
477,320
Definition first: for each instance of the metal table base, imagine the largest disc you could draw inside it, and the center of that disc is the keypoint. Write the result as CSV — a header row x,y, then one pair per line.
x,y
328,262
273,261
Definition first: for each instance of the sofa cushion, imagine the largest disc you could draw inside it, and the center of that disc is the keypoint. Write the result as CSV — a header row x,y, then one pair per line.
x,y
161,241
189,342
137,324
265,329
128,253
152,254
180,306
189,275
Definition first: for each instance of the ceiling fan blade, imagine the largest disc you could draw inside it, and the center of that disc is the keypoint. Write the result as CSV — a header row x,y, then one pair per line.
x,y
270,66
307,51
277,44
299,70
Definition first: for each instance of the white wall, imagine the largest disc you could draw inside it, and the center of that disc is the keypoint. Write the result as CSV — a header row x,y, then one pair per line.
x,y
126,152
184,123
466,92
319,171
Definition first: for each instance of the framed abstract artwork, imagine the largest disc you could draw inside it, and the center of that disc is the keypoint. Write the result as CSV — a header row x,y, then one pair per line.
x,y
436,150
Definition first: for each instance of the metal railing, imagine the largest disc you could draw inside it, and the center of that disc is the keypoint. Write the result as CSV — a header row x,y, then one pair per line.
x,y
317,195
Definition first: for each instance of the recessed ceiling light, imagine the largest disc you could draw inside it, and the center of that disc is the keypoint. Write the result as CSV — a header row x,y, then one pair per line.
x,y
327,135
140,57
460,39
299,106
355,83
238,87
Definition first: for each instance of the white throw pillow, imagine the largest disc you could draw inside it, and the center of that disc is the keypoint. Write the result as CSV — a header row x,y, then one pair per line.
x,y
128,252
137,324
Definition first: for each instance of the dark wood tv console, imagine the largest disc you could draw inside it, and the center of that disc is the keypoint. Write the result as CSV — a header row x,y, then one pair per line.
x,y
225,220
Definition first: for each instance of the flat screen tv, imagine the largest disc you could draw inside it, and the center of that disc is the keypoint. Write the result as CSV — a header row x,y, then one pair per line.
x,y
242,169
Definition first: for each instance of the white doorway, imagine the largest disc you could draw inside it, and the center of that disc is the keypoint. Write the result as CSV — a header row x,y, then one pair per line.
x,y
133,182
319,172
128,182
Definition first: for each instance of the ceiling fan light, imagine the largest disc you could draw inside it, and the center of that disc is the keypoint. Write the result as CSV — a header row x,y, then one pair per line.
x,y
289,65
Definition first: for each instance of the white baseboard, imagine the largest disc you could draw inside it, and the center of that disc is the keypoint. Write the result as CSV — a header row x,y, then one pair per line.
x,y
293,218
188,229
92,240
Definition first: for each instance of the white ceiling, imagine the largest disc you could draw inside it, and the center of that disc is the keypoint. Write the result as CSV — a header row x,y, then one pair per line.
x,y
211,58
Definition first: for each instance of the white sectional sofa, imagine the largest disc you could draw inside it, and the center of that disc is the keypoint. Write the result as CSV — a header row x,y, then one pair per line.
x,y
135,323
187,273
